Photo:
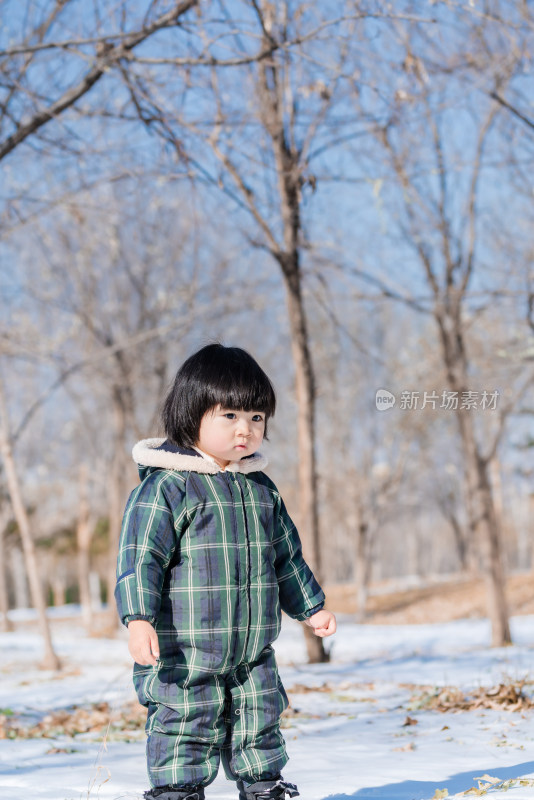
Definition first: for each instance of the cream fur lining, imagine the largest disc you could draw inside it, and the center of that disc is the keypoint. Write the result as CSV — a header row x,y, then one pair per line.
x,y
145,454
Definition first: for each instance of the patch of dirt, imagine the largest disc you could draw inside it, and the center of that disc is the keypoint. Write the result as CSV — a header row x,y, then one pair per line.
x,y
464,597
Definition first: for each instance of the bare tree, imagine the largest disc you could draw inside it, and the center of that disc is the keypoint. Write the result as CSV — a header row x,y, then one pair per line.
x,y
50,660
286,107
443,233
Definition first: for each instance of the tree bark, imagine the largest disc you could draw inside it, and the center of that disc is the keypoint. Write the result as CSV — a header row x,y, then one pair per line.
x,y
307,468
5,622
495,578
83,538
59,588
477,468
288,171
361,571
50,660
19,577
115,500
305,396
365,528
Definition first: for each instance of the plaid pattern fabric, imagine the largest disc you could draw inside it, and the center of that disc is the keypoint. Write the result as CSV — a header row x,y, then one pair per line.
x,y
210,559
233,718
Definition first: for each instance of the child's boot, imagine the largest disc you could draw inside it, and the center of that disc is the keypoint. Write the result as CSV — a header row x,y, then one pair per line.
x,y
275,789
170,792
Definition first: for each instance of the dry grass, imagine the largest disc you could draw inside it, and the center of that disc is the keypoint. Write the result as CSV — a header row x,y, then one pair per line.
x,y
443,602
98,718
504,697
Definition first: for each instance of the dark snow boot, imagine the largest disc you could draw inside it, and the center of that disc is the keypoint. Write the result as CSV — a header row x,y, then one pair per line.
x,y
275,789
175,793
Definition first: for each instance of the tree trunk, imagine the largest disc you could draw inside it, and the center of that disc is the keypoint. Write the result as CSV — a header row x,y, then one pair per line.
x,y
460,539
365,526
361,571
59,588
115,502
19,578
94,589
495,580
490,534
305,395
5,622
288,171
50,660
307,469
473,546
83,537
450,326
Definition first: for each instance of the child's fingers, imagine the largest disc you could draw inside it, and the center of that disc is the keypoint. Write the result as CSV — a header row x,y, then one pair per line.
x,y
154,644
142,655
145,651
146,656
150,659
328,629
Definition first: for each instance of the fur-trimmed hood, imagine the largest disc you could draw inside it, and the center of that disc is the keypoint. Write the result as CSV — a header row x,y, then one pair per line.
x,y
162,454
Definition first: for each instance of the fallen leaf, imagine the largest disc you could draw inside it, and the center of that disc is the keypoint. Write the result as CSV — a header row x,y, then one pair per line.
x,y
488,779
405,749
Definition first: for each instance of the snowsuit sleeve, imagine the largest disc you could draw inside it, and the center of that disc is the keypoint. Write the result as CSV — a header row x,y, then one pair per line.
x,y
148,541
300,594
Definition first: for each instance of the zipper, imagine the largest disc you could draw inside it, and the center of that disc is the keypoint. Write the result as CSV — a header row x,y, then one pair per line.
x,y
248,563
234,635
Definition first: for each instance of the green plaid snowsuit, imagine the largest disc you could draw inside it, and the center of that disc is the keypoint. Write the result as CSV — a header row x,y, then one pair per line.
x,y
210,556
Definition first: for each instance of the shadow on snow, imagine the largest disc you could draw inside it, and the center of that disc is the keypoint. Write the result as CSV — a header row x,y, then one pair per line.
x,y
425,790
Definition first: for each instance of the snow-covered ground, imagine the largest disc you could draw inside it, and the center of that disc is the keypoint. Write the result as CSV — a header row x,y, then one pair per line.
x,y
346,739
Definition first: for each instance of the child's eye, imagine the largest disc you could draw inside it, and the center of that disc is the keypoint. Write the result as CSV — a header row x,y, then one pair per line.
x,y
229,415
257,418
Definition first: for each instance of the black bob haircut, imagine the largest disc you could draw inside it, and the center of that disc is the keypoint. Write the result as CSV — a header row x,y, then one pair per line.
x,y
215,375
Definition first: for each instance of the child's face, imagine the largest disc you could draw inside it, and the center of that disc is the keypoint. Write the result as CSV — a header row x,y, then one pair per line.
x,y
228,434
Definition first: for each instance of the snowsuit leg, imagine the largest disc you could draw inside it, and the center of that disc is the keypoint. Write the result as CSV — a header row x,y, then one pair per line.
x,y
185,725
254,749
191,725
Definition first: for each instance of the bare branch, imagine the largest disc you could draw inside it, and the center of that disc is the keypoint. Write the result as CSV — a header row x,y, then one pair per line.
x,y
513,110
109,56
105,353
410,190
505,412
248,195
207,61
471,205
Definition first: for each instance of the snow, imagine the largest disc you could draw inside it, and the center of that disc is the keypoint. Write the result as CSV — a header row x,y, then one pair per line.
x,y
347,740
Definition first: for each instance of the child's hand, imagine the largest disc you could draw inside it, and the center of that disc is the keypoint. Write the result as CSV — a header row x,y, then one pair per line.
x,y
323,623
143,644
